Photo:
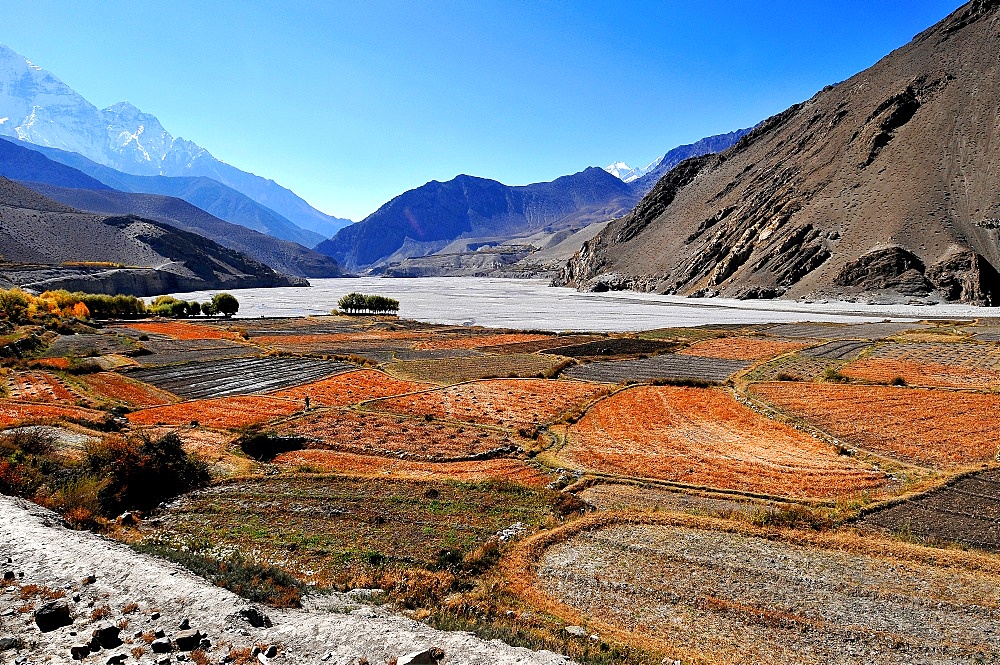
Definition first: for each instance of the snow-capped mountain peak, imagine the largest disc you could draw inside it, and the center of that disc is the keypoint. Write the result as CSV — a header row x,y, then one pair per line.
x,y
627,173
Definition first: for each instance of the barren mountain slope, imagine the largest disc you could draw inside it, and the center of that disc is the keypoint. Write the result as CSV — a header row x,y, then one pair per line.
x,y
148,257
886,182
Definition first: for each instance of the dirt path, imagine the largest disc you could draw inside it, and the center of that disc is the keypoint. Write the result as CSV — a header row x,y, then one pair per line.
x,y
40,551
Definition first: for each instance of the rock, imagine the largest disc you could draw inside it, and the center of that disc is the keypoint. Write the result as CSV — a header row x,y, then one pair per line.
x,y
187,640
79,651
161,645
107,635
576,631
254,617
430,656
154,616
158,632
89,579
116,659
205,644
262,659
52,615
185,624
163,661
126,519
271,651
8,642
8,575
255,651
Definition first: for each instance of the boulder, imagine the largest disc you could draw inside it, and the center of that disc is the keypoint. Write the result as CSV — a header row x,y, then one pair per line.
x,y
116,659
8,642
107,635
254,617
162,645
430,656
52,615
188,640
79,651
576,631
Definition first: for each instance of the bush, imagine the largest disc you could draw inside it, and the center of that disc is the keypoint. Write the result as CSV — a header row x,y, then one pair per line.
x,y
142,472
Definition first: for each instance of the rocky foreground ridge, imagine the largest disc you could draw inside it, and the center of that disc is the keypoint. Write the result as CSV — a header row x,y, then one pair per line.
x,y
72,595
883,185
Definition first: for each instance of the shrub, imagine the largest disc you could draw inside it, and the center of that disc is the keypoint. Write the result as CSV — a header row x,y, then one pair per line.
x,y
142,472
898,381
832,375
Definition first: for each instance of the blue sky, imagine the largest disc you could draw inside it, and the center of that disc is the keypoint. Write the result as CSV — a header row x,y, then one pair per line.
x,y
351,103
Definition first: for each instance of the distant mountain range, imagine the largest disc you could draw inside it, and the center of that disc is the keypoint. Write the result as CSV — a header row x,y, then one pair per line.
x,y
56,246
884,185
37,107
472,225
76,189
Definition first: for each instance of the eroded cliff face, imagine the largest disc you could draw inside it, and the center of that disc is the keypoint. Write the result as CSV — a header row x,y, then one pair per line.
x,y
881,184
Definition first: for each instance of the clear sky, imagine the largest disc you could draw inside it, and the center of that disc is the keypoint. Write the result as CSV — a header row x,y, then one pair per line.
x,y
350,103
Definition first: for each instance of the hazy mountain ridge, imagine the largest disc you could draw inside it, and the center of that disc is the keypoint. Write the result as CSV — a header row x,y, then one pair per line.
x,y
879,185
39,237
645,177
431,217
37,107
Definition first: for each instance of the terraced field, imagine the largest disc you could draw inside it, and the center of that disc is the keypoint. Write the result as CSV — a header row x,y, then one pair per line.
x,y
457,370
117,388
736,595
38,387
220,413
241,376
666,366
612,347
512,403
703,437
350,388
866,331
741,348
173,351
839,350
939,429
966,512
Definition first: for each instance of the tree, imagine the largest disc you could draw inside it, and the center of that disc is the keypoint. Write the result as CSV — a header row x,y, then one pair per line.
x,y
14,305
208,308
358,303
226,304
194,308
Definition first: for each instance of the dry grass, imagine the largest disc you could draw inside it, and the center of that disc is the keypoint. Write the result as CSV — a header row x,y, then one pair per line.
x,y
940,429
115,387
478,341
704,437
378,434
351,388
16,413
221,413
742,348
329,461
514,403
914,373
179,330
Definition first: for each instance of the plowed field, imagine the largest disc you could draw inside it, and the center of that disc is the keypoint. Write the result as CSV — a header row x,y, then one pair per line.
x,y
223,413
879,370
16,413
928,427
179,330
479,341
751,597
38,387
456,370
664,366
704,437
377,434
351,388
504,402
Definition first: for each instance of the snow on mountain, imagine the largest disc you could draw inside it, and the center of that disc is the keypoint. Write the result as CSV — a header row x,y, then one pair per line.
x,y
39,108
627,173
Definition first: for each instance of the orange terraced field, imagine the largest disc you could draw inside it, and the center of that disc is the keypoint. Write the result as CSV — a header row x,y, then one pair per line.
x,y
884,370
326,339
38,387
223,413
16,413
378,434
934,428
741,348
182,330
478,341
704,437
110,385
351,388
329,461
503,402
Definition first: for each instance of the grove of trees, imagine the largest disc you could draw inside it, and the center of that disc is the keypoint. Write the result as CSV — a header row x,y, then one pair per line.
x,y
18,307
359,303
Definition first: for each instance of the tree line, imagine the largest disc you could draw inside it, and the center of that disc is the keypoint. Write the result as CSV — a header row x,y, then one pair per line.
x,y
359,303
19,307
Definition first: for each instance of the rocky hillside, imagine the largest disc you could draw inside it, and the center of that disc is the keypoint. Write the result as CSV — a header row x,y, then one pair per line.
x,y
474,212
884,184
45,244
